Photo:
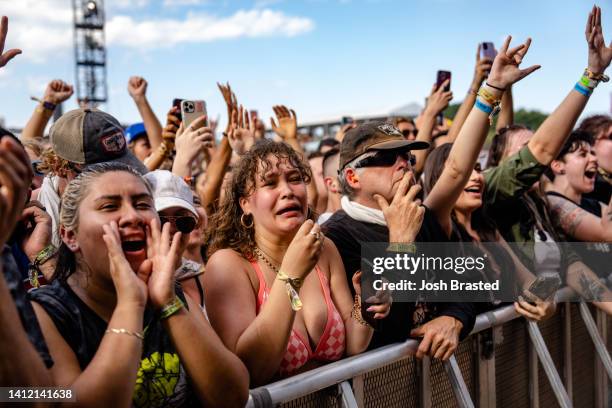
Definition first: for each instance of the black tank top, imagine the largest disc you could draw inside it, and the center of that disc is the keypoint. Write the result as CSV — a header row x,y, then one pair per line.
x,y
596,255
161,382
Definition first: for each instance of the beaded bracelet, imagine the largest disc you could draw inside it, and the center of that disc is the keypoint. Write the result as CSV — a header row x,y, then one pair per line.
x,y
356,312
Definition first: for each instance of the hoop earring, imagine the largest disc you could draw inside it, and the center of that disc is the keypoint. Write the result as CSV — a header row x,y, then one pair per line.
x,y
244,224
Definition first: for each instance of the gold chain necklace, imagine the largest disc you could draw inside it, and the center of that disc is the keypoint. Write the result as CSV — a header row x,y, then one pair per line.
x,y
264,257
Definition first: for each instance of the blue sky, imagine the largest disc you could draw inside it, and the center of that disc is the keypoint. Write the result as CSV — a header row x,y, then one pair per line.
x,y
324,58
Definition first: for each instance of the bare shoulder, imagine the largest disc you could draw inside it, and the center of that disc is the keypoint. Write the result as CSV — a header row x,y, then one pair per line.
x,y
227,266
330,258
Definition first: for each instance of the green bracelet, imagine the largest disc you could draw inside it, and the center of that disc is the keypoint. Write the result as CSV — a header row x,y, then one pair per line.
x,y
43,256
171,308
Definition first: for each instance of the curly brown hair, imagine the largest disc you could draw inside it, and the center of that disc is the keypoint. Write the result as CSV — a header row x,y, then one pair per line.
x,y
225,229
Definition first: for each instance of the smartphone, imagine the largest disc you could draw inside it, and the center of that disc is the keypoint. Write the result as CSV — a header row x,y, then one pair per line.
x,y
176,102
441,77
191,110
346,120
487,50
544,287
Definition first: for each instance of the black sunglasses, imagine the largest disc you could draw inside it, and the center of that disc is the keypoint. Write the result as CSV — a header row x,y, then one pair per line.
x,y
36,168
183,223
386,158
408,132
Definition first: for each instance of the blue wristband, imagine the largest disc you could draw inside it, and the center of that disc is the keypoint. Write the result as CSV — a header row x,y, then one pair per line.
x,y
579,88
485,108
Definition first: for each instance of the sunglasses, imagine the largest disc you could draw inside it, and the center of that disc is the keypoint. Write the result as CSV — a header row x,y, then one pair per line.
x,y
408,132
36,168
183,223
386,158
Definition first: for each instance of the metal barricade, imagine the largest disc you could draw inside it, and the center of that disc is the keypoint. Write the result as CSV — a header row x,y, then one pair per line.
x,y
496,366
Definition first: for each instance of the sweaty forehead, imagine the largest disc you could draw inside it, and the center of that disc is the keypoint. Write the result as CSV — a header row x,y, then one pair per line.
x,y
117,183
274,165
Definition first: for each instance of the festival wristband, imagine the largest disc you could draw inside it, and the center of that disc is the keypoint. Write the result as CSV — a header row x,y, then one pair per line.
x,y
484,107
581,89
292,285
171,308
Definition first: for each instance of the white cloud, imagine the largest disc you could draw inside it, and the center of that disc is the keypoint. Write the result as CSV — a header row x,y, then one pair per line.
x,y
198,28
127,4
36,85
43,29
173,3
39,28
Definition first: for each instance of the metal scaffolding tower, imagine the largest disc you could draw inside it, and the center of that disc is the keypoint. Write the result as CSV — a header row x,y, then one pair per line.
x,y
90,52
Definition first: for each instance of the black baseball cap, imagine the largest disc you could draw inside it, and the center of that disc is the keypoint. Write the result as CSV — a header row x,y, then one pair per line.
x,y
375,136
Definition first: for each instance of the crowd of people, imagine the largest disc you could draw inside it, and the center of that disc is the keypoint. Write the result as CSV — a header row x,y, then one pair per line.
x,y
159,265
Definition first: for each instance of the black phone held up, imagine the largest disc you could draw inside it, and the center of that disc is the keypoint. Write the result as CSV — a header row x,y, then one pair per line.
x,y
176,103
441,77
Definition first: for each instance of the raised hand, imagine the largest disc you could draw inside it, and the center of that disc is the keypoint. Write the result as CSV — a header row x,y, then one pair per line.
x,y
131,287
599,54
15,178
230,102
40,236
137,87
438,99
191,141
287,122
57,92
173,122
505,70
242,132
305,246
404,215
164,253
5,57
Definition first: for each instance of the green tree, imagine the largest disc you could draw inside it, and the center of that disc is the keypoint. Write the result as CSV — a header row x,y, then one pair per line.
x,y
531,118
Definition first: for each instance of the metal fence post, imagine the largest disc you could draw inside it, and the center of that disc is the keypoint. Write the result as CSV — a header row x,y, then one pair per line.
x,y
486,369
567,349
425,382
358,390
548,365
534,380
345,393
464,400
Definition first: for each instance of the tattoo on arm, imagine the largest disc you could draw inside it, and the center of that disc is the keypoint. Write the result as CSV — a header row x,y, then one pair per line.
x,y
592,290
569,214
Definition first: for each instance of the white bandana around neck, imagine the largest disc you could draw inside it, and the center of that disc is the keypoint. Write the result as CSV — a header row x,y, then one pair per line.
x,y
360,212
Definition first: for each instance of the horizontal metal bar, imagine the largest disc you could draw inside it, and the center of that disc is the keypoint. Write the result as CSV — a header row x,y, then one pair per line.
x,y
336,372
597,340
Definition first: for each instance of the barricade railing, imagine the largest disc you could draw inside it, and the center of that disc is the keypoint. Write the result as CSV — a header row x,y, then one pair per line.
x,y
346,377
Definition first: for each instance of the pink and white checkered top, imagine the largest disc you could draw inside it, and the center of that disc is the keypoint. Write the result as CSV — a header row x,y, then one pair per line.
x,y
332,343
